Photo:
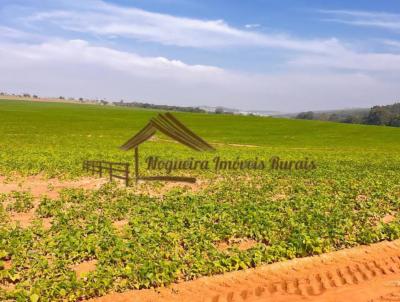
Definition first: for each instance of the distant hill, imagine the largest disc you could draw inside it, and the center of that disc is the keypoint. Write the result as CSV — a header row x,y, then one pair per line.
x,y
388,115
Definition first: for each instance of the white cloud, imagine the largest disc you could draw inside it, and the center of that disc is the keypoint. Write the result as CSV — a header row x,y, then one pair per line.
x,y
363,18
81,52
253,25
350,60
12,33
318,74
99,18
77,68
392,43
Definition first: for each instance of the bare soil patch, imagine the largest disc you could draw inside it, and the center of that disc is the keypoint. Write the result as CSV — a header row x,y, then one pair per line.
x,y
279,197
388,218
40,186
361,274
243,244
120,224
23,219
7,264
47,223
7,286
82,269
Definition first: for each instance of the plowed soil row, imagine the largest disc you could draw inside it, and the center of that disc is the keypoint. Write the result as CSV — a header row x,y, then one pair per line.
x,y
361,274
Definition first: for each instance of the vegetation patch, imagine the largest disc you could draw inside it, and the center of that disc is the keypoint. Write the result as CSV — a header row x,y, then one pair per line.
x,y
154,234
19,202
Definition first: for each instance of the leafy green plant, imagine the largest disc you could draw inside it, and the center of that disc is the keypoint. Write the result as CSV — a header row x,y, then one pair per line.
x,y
173,235
48,207
19,201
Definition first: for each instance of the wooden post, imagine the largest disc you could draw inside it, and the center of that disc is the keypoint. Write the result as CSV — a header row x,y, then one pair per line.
x,y
137,164
127,174
111,172
101,169
92,167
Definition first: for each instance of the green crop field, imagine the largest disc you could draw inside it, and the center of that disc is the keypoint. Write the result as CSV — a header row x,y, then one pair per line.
x,y
176,236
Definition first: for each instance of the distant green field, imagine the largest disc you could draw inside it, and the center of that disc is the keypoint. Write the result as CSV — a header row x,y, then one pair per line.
x,y
54,137
174,237
29,120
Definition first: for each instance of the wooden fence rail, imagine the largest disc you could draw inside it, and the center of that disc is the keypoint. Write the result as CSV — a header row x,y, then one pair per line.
x,y
102,167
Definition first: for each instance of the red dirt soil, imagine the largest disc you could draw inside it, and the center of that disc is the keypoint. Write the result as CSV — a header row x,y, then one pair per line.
x,y
39,186
361,274
82,269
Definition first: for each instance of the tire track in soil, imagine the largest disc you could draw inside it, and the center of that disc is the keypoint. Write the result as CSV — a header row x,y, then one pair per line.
x,y
361,274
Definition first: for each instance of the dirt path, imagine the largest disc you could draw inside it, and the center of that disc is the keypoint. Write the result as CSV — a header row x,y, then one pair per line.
x,y
362,274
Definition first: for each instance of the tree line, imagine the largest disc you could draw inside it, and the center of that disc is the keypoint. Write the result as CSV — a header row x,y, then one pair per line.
x,y
159,107
388,115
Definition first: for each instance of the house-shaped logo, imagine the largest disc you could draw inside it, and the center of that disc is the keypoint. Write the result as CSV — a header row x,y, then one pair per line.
x,y
167,124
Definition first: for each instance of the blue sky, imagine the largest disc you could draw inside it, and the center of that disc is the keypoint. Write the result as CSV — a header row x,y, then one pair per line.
x,y
269,55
